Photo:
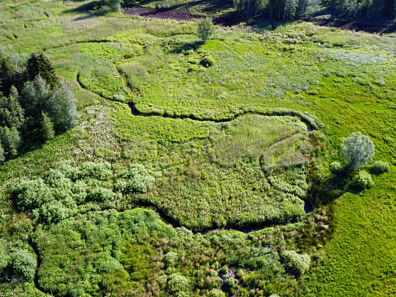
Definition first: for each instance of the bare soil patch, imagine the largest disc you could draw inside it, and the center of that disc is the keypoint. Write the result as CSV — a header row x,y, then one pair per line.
x,y
380,26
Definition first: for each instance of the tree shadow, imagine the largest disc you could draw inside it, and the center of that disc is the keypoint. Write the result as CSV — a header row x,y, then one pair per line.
x,y
91,9
188,46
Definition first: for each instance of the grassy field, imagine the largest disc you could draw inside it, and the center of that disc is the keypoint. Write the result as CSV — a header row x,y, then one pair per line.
x,y
232,145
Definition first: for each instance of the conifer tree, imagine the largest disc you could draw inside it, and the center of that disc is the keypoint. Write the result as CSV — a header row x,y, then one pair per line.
x,y
38,64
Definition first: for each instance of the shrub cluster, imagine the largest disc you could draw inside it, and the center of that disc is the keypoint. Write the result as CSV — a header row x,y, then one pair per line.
x,y
205,29
34,104
63,189
295,263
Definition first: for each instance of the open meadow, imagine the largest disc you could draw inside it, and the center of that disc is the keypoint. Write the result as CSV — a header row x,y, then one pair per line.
x,y
199,168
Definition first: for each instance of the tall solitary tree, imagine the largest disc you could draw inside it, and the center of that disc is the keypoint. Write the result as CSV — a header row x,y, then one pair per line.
x,y
357,150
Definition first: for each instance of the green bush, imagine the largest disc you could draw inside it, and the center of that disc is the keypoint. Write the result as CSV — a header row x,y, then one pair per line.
x,y
22,266
205,29
100,170
31,194
216,293
102,195
362,181
170,259
336,167
378,167
136,179
69,169
295,263
53,212
177,284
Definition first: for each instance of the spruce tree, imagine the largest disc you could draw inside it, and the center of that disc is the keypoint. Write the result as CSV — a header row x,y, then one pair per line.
x,y
38,64
47,127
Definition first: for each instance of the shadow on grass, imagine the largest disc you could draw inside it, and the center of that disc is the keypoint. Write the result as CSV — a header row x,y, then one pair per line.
x,y
188,46
91,9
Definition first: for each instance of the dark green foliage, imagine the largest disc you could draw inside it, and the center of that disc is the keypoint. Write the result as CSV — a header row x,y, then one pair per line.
x,y
11,112
378,167
205,29
47,127
40,65
10,140
362,181
2,156
44,106
115,5
59,103
22,266
297,264
102,195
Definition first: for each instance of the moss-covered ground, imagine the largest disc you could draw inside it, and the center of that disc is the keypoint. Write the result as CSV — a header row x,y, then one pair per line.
x,y
233,144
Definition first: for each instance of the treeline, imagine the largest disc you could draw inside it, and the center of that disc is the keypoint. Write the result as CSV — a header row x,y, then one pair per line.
x,y
284,10
34,104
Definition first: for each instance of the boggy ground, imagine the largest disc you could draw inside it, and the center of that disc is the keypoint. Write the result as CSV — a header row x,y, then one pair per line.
x,y
338,79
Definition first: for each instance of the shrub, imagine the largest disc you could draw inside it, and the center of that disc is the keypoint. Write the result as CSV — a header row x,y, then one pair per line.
x,y
100,170
69,169
170,259
165,4
216,293
177,283
362,181
53,212
137,179
378,167
102,195
357,150
22,266
31,194
295,263
205,29
336,167
207,62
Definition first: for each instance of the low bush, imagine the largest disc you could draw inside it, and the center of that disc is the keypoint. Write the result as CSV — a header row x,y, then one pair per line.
x,y
170,259
177,284
102,195
96,170
31,194
378,167
22,266
361,181
336,167
207,61
216,293
295,263
136,179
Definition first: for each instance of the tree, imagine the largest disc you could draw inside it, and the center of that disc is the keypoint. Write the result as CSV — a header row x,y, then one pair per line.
x,y
11,112
40,65
47,127
357,150
10,141
205,29
115,5
58,103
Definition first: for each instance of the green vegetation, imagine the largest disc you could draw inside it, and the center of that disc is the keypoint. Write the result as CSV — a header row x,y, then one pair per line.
x,y
235,133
